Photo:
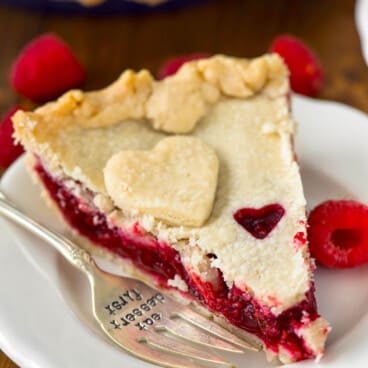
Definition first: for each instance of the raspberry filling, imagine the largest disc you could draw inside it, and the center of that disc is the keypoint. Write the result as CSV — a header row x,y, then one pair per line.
x,y
164,262
260,221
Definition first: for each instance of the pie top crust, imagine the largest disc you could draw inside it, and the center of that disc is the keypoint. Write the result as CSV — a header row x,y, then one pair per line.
x,y
231,113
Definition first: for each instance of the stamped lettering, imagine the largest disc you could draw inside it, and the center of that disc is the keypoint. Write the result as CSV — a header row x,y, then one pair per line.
x,y
127,312
116,324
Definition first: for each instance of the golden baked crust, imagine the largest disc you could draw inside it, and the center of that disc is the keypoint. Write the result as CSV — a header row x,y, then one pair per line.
x,y
188,95
174,105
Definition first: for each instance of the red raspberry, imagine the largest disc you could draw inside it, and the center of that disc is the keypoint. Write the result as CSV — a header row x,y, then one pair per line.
x,y
171,66
9,151
306,73
338,233
46,68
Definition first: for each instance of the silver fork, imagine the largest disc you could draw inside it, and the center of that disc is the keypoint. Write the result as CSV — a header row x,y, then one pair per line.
x,y
142,320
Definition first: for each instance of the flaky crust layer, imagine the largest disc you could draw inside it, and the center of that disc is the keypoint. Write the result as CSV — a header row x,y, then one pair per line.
x,y
174,105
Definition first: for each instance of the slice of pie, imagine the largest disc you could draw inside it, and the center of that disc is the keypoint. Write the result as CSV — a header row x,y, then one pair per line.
x,y
191,184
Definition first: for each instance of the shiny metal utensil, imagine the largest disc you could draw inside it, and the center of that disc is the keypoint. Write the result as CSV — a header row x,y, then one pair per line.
x,y
142,320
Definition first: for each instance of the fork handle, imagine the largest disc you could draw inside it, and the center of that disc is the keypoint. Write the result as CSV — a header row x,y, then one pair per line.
x,y
77,256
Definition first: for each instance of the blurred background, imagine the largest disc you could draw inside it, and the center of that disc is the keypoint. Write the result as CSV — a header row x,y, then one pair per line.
x,y
120,35
109,43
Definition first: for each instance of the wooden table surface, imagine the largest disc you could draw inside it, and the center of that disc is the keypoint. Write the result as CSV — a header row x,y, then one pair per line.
x,y
107,45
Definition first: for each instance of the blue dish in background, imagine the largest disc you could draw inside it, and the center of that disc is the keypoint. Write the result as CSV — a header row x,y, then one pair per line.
x,y
109,6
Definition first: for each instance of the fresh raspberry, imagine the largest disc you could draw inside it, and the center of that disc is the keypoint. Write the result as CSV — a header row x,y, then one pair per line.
x,y
171,66
46,68
338,233
9,151
306,73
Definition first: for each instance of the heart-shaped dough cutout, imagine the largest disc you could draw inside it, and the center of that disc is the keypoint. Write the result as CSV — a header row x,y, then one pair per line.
x,y
175,182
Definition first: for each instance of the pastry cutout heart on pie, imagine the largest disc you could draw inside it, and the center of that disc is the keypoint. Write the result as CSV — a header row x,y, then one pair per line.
x,y
175,181
88,150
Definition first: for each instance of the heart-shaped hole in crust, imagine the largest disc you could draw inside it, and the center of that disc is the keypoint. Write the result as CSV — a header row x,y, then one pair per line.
x,y
175,181
260,221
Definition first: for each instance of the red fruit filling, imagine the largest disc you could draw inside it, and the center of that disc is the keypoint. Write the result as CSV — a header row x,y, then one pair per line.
x,y
260,221
163,262
338,233
300,240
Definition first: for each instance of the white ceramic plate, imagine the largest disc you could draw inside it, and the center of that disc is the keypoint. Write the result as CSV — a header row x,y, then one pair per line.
x,y
45,320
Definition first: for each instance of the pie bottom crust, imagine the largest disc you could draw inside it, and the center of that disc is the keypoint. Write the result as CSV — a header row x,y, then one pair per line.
x,y
128,268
